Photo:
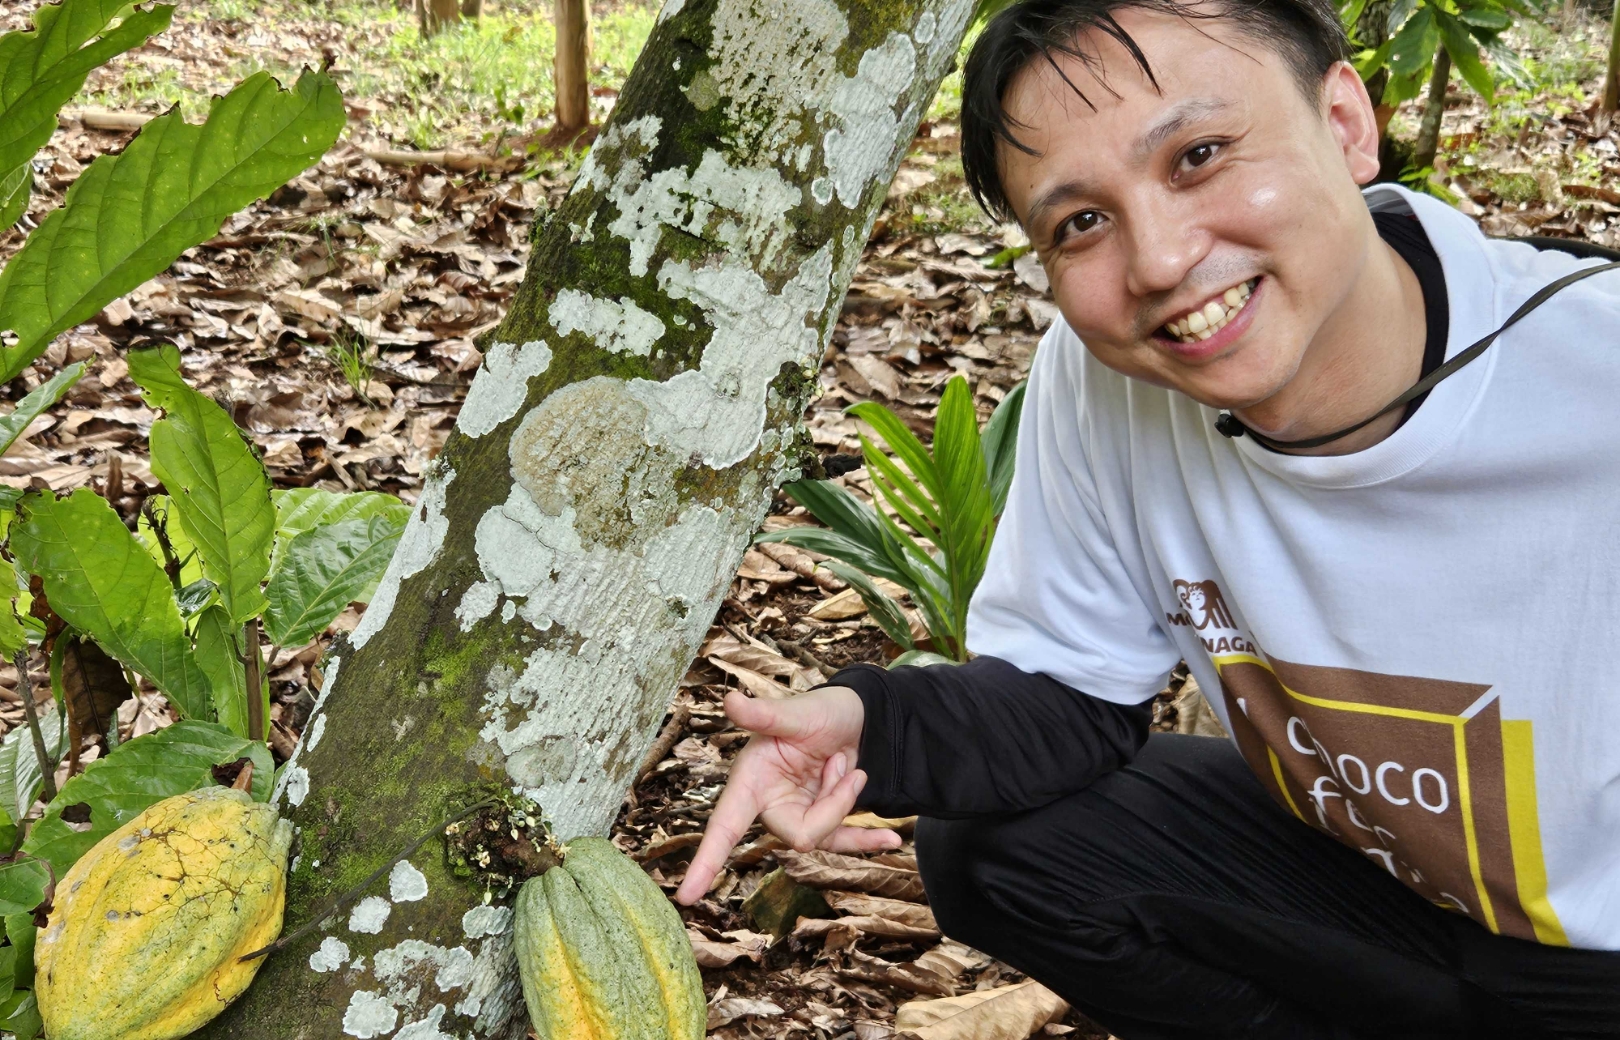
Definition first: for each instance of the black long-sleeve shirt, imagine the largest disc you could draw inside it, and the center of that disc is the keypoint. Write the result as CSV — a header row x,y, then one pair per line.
x,y
984,737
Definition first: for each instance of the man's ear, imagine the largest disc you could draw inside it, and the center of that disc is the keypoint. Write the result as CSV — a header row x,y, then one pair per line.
x,y
1351,120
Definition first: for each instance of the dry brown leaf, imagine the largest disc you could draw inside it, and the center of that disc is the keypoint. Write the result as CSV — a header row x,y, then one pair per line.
x,y
711,953
750,680
821,869
1005,1013
915,916
815,927
729,1009
845,605
872,821
950,959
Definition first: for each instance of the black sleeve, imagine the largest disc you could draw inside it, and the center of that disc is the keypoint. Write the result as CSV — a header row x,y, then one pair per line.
x,y
983,737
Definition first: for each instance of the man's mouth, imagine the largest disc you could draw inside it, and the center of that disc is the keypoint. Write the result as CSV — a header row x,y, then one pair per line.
x,y
1201,324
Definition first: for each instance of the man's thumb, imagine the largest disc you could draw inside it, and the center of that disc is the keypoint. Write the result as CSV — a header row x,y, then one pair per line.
x,y
773,718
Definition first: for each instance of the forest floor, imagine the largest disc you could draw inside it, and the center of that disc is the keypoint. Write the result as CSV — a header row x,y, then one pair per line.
x,y
339,322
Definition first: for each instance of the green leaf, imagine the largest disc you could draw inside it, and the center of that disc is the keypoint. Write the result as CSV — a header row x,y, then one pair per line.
x,y
22,884
1412,49
20,1016
219,655
16,188
1400,12
1000,443
129,216
20,775
13,633
40,70
197,597
839,547
323,570
1493,18
139,774
179,542
899,440
304,509
105,584
884,610
38,401
1465,55
21,932
218,489
848,516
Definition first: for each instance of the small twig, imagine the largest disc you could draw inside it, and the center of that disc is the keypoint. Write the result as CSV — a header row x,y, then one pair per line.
x,y
25,686
339,902
796,561
462,162
668,737
270,665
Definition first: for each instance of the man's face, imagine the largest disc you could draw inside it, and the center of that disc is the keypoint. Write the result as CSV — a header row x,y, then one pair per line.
x,y
1201,236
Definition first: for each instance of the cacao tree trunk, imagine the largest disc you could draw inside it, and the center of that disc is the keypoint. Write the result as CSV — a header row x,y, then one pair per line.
x,y
572,65
434,15
1611,84
615,454
1434,109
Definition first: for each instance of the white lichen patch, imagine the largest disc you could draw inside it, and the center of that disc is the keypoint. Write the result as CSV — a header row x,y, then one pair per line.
x,y
418,547
773,59
406,884
426,1028
860,148
620,327
482,921
296,785
477,603
333,954
501,385
317,730
369,1015
369,915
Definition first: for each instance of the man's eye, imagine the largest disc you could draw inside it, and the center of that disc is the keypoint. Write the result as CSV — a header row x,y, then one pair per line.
x,y
1198,155
1080,223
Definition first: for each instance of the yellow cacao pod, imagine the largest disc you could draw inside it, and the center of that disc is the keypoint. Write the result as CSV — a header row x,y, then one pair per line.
x,y
603,954
147,931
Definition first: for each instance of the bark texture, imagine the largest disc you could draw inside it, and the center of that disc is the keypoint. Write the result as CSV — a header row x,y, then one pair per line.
x,y
1611,83
1434,110
571,75
615,454
434,15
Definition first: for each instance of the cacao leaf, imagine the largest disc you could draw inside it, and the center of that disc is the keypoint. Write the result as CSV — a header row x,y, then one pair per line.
x,y
42,68
103,583
218,489
20,775
185,551
21,931
38,401
129,216
322,571
15,191
22,884
219,654
8,973
20,1016
1004,1013
92,685
140,773
821,869
304,509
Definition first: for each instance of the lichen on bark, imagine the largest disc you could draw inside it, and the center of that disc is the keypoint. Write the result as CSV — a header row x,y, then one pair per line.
x,y
634,414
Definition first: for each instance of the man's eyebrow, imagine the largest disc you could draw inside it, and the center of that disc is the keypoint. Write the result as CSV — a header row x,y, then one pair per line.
x,y
1174,121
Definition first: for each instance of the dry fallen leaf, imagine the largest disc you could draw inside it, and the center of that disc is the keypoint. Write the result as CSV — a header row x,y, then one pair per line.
x,y
832,870
1004,1013
730,1009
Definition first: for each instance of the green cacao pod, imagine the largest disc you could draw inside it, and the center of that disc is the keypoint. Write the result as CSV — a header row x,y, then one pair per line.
x,y
146,936
603,953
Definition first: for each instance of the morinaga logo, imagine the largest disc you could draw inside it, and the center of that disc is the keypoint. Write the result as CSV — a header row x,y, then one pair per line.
x,y
1203,607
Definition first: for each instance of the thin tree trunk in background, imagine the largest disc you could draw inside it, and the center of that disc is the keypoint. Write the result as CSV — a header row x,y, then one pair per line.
x,y
572,65
472,9
1611,85
434,15
1434,109
615,455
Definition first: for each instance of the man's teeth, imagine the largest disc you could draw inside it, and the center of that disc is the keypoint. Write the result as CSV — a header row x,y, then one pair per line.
x,y
1202,324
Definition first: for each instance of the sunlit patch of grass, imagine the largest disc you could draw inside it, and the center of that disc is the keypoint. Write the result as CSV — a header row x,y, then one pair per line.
x,y
353,357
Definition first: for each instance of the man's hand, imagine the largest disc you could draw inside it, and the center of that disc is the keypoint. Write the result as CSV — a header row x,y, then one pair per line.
x,y
796,775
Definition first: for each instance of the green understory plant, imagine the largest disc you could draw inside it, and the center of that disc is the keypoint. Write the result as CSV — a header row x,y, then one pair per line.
x,y
188,618
934,536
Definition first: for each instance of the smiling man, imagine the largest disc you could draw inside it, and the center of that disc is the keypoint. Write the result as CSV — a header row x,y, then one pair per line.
x,y
1351,461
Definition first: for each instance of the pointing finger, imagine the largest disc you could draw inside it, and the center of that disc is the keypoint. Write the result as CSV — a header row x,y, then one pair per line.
x,y
730,821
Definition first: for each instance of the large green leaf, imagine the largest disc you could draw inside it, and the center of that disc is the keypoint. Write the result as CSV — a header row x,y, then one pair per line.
x,y
322,570
141,773
129,216
22,884
185,552
39,399
850,518
20,775
1464,53
1000,443
42,68
304,509
22,933
20,1015
218,489
883,609
105,584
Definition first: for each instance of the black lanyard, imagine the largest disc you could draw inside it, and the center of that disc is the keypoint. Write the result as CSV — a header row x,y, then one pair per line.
x,y
1231,426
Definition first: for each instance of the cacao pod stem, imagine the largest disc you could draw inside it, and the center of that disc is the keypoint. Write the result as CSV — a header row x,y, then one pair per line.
x,y
341,901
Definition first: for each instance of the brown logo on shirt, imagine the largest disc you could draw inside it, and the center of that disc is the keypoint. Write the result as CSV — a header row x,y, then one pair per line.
x,y
1204,605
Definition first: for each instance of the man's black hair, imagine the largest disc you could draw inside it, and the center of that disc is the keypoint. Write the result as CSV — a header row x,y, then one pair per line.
x,y
1306,33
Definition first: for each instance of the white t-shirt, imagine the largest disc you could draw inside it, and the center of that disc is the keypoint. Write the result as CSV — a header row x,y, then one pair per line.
x,y
1415,645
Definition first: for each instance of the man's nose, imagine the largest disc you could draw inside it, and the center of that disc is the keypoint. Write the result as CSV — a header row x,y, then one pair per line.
x,y
1162,244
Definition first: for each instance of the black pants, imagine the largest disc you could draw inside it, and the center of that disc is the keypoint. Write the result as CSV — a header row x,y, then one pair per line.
x,y
1173,899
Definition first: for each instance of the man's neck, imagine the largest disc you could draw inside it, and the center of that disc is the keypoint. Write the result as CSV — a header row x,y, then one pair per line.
x,y
1366,355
